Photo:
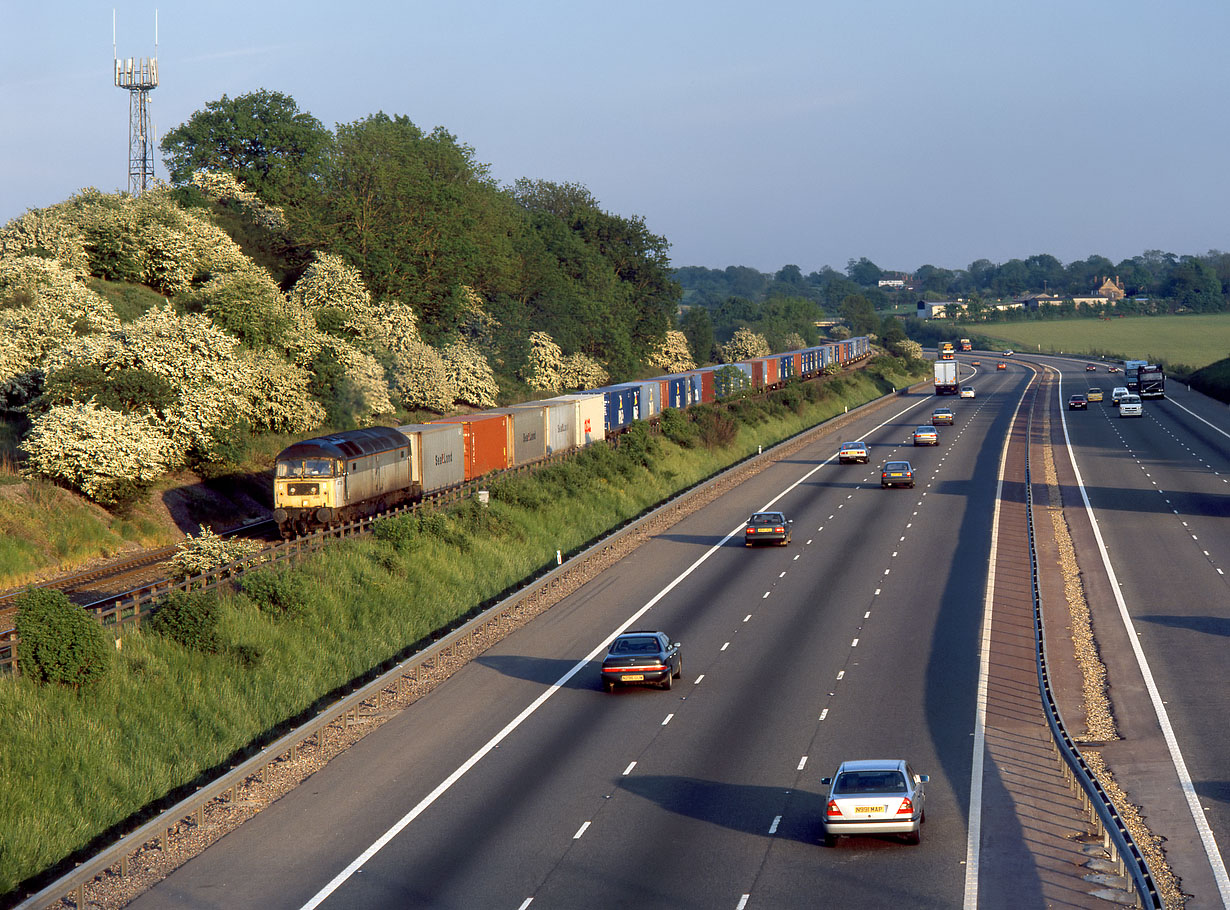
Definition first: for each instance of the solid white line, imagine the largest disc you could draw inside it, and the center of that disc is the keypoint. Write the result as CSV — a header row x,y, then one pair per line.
x,y
1216,862
425,803
973,843
580,831
1198,417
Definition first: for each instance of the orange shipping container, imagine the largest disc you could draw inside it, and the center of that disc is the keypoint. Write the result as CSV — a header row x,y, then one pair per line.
x,y
486,438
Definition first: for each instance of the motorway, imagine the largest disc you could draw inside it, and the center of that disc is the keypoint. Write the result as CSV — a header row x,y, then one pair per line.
x,y
519,783
1158,495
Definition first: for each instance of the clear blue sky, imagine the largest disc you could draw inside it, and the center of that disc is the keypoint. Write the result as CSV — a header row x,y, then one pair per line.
x,y
747,133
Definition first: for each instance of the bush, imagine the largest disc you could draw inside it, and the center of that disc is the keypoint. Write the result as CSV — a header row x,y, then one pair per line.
x,y
717,428
190,618
280,593
679,429
60,642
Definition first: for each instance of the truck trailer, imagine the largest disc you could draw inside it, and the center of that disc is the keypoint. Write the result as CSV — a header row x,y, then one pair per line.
x,y
947,377
1150,382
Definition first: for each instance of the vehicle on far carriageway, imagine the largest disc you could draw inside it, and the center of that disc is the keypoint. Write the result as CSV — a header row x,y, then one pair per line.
x,y
642,658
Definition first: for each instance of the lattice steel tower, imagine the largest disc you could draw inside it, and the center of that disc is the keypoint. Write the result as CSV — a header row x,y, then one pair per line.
x,y
140,76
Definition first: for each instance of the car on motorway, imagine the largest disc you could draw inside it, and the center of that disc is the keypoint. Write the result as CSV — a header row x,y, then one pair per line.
x,y
1078,403
767,527
1093,395
875,796
897,474
1130,406
942,415
1089,368
853,452
1117,395
967,391
926,436
975,363
1008,353
1001,366
1112,369
644,658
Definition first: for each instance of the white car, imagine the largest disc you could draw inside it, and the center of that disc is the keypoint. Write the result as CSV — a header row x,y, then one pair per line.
x,y
967,391
1130,406
874,797
1008,353
1119,393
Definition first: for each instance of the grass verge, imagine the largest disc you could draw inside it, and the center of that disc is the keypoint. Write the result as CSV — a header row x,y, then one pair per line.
x,y
76,767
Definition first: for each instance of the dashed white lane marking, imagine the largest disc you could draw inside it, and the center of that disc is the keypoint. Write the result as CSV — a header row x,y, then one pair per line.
x,y
724,647
841,673
886,571
580,831
894,556
867,615
766,594
526,903
797,555
783,575
854,644
742,902
628,770
747,617
824,713
667,719
698,679
877,594
802,763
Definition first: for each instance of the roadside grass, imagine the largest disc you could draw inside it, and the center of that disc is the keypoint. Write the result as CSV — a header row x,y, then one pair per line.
x,y
1181,343
77,765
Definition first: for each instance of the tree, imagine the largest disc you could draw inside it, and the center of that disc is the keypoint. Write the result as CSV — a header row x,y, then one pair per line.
x,y
858,311
262,138
864,272
1194,284
697,325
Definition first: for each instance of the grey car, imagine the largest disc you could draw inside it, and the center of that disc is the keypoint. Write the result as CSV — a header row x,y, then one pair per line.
x,y
875,796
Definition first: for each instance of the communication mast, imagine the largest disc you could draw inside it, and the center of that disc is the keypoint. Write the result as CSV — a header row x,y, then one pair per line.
x,y
140,76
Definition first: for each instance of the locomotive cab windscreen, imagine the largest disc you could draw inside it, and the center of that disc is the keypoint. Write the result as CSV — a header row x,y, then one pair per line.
x,y
307,467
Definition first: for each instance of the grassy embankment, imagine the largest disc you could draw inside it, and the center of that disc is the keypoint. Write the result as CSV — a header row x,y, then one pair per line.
x,y
74,765
1180,343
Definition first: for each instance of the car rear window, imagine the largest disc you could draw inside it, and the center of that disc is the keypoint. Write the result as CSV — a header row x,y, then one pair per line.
x,y
870,782
632,645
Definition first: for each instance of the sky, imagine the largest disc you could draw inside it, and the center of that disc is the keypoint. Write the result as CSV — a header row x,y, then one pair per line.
x,y
766,133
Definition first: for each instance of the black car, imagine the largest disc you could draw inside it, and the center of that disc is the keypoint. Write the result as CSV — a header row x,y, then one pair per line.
x,y
644,658
1078,401
897,474
767,527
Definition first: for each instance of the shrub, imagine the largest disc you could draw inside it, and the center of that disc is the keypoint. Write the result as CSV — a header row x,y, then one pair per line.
x,y
717,429
60,642
206,551
401,531
280,593
190,618
678,428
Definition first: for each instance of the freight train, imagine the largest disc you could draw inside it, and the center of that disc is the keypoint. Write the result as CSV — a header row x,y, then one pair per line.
x,y
331,480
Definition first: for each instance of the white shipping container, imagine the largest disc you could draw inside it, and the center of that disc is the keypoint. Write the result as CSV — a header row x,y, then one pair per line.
x,y
437,455
589,417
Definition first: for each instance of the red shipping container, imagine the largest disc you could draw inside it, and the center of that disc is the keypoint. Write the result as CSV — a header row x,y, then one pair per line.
x,y
770,371
486,438
757,372
706,387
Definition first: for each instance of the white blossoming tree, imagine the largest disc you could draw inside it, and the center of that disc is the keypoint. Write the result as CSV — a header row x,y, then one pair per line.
x,y
279,394
545,364
107,455
580,371
207,551
420,378
744,345
672,354
223,186
470,375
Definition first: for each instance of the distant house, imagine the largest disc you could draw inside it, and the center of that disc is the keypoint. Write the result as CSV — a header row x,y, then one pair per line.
x,y
1111,290
891,283
931,309
1033,301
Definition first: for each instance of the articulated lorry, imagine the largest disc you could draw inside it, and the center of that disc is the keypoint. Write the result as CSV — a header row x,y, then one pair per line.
x,y
1150,381
1130,370
947,376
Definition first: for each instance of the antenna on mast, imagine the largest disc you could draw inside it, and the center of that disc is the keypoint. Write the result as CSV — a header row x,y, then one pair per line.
x,y
140,76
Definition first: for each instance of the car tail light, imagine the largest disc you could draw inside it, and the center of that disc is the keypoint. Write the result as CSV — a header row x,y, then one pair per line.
x,y
833,808
907,807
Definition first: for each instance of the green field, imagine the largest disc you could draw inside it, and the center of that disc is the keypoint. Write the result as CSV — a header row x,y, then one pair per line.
x,y
1192,341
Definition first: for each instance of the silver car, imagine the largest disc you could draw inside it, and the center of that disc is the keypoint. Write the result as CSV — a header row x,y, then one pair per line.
x,y
1130,406
878,796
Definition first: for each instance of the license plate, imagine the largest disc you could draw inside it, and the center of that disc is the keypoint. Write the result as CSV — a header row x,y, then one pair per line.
x,y
896,474
870,808
633,677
